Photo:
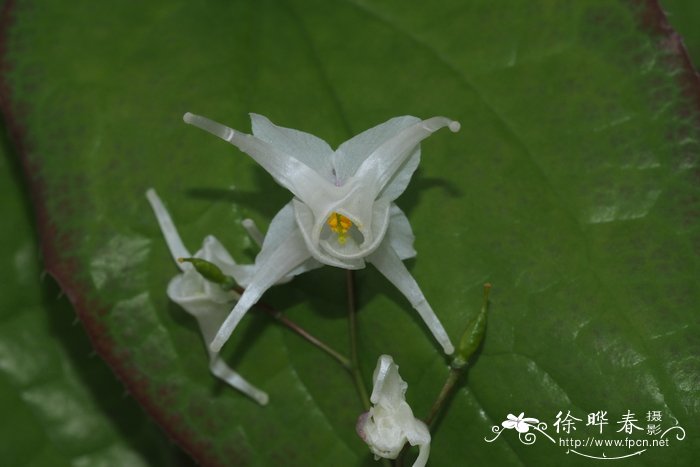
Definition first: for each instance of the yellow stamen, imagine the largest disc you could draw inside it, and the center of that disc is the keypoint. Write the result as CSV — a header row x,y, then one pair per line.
x,y
340,225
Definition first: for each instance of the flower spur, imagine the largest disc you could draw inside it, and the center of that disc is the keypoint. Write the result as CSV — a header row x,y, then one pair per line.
x,y
343,212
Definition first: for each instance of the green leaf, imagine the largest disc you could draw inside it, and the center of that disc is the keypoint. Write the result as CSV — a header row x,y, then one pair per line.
x,y
60,404
572,187
684,16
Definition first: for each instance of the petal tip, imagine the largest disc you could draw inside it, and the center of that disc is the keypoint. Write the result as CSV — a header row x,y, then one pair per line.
x,y
262,398
449,349
188,117
455,126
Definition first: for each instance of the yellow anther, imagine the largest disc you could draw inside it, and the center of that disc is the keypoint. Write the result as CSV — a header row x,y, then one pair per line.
x,y
340,225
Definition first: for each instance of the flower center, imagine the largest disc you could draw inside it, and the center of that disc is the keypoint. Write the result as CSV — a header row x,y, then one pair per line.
x,y
340,225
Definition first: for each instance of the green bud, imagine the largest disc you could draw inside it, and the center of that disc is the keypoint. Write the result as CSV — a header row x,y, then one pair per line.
x,y
473,334
210,271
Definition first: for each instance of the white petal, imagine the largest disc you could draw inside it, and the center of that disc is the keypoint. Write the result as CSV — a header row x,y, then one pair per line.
x,y
190,287
213,251
388,263
307,148
281,227
289,255
209,321
423,454
390,422
372,229
220,369
209,317
172,238
399,234
352,153
306,223
189,291
509,424
417,432
291,173
253,232
207,302
388,387
385,161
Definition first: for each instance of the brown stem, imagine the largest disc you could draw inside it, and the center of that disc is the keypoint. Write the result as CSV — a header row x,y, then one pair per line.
x,y
277,315
445,392
352,325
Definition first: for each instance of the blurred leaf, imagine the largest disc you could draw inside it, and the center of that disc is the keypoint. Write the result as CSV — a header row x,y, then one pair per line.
x,y
60,404
572,188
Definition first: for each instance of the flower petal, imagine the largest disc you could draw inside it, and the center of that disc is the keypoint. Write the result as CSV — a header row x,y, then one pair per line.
x,y
388,388
399,234
352,153
209,316
423,454
172,237
253,232
373,230
189,289
305,147
390,422
509,424
282,226
303,181
220,369
270,268
388,263
385,161
207,302
306,222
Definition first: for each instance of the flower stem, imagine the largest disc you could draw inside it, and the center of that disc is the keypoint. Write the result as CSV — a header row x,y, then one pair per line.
x,y
352,325
471,340
313,340
445,392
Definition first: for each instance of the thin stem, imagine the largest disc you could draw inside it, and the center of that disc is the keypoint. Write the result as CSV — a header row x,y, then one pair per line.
x,y
313,340
352,325
445,392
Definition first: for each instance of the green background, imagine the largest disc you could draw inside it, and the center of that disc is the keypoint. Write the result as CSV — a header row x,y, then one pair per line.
x,y
573,187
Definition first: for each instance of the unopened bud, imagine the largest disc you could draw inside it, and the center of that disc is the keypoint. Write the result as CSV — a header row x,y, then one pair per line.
x,y
209,271
473,334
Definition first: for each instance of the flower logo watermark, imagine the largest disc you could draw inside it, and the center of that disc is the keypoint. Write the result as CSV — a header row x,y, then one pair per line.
x,y
591,440
520,423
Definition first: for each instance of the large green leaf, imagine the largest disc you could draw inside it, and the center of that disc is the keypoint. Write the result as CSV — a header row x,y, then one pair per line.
x,y
60,404
684,16
572,187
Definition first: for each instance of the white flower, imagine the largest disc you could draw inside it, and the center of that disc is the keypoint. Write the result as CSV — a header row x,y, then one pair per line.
x,y
390,422
206,301
343,212
521,424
